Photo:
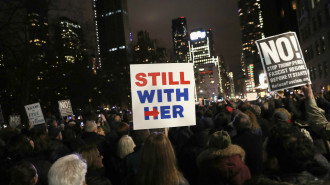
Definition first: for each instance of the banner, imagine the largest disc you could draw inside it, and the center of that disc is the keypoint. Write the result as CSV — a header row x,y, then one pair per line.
x,y
34,113
65,107
162,95
2,120
283,61
14,120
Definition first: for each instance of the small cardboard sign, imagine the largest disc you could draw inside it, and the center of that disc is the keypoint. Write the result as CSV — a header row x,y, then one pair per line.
x,y
2,120
65,107
283,61
162,95
34,113
14,120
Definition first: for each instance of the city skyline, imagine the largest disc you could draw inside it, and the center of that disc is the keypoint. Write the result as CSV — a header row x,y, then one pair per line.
x,y
220,16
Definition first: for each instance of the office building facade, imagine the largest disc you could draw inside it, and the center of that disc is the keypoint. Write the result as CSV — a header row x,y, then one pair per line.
x,y
180,39
207,65
314,19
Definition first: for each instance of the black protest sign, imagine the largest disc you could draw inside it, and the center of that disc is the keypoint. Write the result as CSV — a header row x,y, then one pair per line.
x,y
65,107
283,61
1,116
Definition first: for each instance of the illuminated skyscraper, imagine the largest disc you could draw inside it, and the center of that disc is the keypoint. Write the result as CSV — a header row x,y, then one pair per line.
x,y
69,36
251,22
207,65
113,39
180,39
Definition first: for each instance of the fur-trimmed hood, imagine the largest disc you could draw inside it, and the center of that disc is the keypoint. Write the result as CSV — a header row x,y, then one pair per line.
x,y
212,153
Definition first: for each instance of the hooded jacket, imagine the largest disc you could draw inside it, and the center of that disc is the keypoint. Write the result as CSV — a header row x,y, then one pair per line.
x,y
223,166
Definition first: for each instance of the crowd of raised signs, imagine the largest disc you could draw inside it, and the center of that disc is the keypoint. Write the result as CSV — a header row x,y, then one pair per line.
x,y
279,140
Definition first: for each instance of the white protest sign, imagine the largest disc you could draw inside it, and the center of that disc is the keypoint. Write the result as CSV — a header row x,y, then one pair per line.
x,y
251,96
65,107
162,95
34,113
14,120
283,61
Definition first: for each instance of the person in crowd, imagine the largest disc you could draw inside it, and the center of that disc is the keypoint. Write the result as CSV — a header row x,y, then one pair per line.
x,y
126,146
68,170
255,127
158,163
222,162
133,159
95,168
250,142
90,135
23,173
57,149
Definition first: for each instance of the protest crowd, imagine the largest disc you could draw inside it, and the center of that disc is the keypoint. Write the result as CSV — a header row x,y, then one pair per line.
x,y
277,140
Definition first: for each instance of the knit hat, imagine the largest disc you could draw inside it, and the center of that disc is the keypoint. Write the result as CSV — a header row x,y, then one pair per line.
x,y
280,116
220,140
53,132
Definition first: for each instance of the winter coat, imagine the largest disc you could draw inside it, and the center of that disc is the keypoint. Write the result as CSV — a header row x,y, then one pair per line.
x,y
252,145
222,166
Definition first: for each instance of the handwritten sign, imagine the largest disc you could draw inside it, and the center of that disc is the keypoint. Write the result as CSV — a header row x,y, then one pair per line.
x,y
162,95
14,120
34,113
65,107
283,61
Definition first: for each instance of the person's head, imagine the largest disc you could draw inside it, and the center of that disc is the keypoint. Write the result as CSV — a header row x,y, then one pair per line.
x,y
122,129
125,146
68,170
253,119
139,136
52,122
281,115
55,133
24,173
287,150
242,122
19,147
92,156
244,106
90,126
158,162
117,118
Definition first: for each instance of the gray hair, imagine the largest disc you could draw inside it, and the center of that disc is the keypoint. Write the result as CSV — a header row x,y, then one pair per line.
x,y
90,126
68,170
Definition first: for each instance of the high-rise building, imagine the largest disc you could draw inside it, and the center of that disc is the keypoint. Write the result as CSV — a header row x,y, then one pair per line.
x,y
251,22
114,45
69,44
144,50
314,20
180,39
207,65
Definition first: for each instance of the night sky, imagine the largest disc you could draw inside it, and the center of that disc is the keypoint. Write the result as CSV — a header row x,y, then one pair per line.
x,y
221,16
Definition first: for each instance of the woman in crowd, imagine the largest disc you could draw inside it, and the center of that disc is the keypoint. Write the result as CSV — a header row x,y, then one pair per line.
x,y
95,168
24,173
158,163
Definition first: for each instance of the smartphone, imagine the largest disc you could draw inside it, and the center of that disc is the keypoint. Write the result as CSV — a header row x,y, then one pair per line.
x,y
4,126
291,92
99,115
70,117
78,117
81,124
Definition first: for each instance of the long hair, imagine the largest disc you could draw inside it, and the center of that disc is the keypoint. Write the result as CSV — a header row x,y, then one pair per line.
x,y
90,153
253,119
158,163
